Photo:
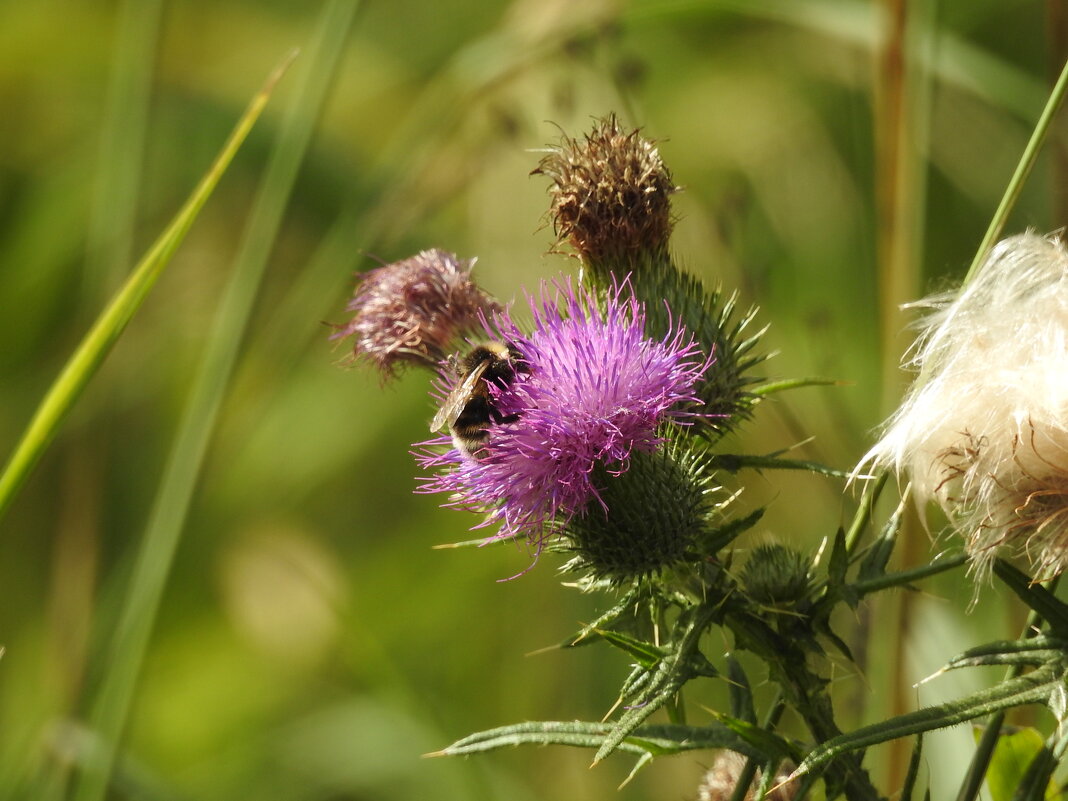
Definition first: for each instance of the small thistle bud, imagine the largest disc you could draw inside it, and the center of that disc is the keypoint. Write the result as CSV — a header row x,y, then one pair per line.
x,y
984,430
721,779
775,574
611,195
410,311
648,518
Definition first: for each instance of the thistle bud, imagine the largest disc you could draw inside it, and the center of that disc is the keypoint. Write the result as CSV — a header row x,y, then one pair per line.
x,y
984,430
648,519
411,311
611,195
775,574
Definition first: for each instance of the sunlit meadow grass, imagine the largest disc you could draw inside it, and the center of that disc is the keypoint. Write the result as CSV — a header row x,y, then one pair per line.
x,y
217,561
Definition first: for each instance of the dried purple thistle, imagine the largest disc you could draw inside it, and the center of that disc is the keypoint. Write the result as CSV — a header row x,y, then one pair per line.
x,y
595,391
410,311
611,194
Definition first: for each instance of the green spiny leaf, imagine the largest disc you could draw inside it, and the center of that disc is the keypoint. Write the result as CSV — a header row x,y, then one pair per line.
x,y
1045,603
1032,651
771,745
741,693
593,631
878,555
1033,688
719,538
646,653
732,463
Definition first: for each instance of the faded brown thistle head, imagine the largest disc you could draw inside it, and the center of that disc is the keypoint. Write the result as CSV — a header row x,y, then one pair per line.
x,y
611,195
410,311
719,782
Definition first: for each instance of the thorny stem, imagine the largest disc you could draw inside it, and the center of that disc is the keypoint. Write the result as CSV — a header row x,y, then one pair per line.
x,y
808,696
905,577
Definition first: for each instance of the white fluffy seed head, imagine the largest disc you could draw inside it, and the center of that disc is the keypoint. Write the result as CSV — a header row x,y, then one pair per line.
x,y
984,430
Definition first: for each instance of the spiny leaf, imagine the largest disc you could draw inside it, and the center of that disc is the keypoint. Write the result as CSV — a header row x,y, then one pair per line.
x,y
771,745
654,740
646,653
1033,688
630,720
795,383
724,535
1035,596
732,463
677,667
1032,651
741,694
878,555
593,631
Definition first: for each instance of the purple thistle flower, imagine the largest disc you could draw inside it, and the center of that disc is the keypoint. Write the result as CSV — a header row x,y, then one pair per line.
x,y
408,312
594,390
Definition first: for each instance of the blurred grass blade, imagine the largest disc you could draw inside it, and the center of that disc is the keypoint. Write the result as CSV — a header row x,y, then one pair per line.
x,y
110,234
156,553
96,345
1023,169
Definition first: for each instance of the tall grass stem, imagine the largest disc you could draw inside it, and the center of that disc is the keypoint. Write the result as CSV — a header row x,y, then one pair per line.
x,y
103,334
156,554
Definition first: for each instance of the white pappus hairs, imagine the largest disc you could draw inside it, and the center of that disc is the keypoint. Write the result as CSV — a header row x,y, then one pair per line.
x,y
984,429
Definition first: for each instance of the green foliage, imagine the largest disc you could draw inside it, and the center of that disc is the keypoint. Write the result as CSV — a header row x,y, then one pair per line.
x,y
98,342
1015,753
276,670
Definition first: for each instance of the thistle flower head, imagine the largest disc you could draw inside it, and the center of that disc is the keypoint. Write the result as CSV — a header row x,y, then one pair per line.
x,y
593,392
984,432
611,194
410,311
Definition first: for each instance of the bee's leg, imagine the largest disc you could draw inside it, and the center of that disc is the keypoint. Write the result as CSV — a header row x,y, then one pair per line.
x,y
499,418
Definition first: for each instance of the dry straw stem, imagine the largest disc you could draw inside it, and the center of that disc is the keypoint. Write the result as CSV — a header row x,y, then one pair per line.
x,y
985,434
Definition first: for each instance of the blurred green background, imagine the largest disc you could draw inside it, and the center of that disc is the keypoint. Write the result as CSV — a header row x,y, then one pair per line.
x,y
311,644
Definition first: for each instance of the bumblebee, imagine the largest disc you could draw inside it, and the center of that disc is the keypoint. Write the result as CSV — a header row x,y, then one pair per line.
x,y
469,409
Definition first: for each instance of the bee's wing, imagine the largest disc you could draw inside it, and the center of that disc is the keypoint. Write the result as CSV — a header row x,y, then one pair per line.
x,y
457,399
